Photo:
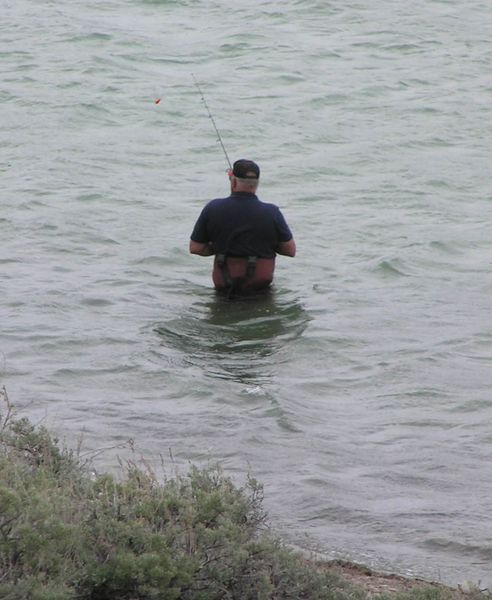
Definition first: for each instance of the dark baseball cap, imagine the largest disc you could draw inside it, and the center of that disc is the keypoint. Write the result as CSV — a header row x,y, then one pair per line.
x,y
246,169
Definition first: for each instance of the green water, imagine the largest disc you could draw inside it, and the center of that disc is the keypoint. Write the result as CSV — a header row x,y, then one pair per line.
x,y
359,391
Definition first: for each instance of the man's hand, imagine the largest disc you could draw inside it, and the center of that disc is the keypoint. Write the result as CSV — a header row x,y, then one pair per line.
x,y
287,248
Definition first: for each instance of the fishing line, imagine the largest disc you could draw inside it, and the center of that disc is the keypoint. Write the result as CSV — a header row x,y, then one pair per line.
x,y
212,119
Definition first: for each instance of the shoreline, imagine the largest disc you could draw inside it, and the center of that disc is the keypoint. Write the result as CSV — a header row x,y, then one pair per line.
x,y
375,583
144,538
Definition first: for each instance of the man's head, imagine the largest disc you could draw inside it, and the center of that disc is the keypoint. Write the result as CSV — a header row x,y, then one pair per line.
x,y
246,169
245,176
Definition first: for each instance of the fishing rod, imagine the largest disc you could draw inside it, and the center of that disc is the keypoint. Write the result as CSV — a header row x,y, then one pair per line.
x,y
213,120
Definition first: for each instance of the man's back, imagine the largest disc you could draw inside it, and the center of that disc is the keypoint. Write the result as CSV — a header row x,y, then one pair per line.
x,y
241,225
243,232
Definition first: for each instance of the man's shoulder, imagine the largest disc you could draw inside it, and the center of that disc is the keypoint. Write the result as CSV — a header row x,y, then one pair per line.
x,y
234,200
269,205
216,202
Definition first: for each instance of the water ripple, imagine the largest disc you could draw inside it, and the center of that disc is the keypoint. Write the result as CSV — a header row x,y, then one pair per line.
x,y
366,375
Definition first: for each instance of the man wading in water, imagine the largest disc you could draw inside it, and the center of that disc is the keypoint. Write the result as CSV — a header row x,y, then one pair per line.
x,y
244,233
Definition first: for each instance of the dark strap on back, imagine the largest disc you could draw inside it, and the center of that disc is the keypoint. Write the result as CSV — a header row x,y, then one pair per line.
x,y
226,276
251,268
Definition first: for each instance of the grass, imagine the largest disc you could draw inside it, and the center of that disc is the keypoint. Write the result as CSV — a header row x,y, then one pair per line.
x,y
66,533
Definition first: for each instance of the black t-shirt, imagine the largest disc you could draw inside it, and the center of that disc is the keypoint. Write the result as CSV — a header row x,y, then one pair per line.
x,y
241,225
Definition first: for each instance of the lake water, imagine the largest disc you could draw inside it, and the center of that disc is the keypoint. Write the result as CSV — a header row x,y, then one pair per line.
x,y
360,391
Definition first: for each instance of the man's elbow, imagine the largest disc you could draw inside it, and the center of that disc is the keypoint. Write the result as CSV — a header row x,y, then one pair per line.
x,y
195,247
287,248
200,249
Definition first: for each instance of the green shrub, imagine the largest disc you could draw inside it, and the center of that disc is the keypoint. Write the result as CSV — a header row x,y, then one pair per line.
x,y
68,535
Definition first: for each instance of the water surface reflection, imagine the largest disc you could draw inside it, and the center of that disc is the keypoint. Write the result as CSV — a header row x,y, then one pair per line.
x,y
241,339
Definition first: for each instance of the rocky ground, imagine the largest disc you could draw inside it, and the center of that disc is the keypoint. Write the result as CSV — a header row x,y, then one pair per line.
x,y
377,583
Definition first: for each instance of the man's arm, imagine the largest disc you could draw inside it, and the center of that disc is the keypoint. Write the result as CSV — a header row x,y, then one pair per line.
x,y
287,248
201,249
